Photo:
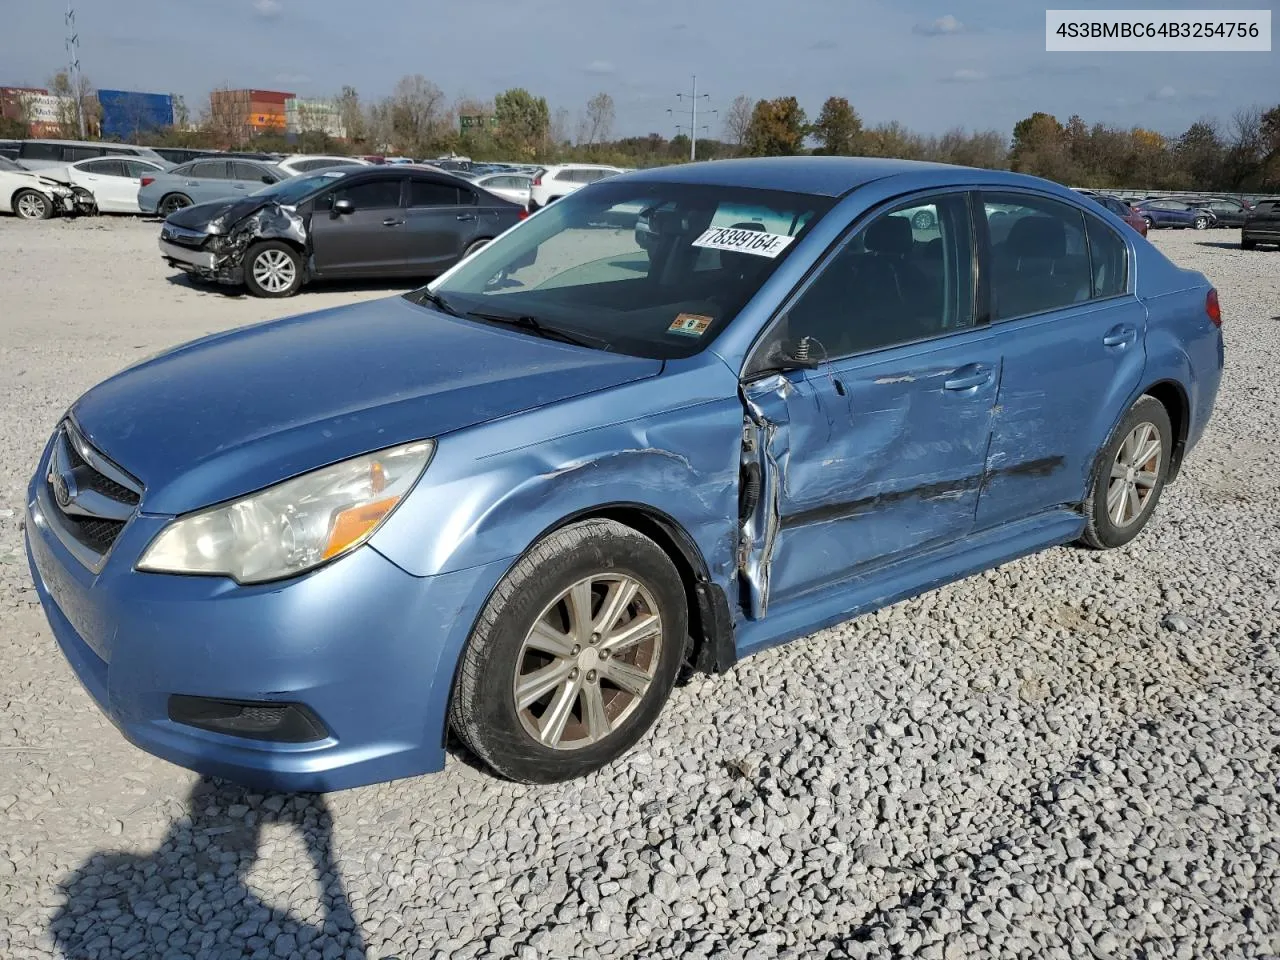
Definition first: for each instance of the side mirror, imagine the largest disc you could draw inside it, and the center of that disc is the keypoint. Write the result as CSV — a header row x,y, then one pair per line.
x,y
343,206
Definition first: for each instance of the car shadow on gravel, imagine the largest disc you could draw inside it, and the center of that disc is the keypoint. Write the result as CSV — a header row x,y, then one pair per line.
x,y
192,897
1220,244
387,286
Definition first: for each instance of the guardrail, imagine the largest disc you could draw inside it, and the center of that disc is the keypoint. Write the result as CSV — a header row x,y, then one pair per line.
x,y
1129,194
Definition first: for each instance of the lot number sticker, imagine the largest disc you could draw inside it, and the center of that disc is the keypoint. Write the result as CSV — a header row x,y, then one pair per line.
x,y
744,241
690,325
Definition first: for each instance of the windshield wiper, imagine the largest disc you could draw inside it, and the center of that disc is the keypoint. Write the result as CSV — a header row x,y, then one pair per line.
x,y
440,303
534,326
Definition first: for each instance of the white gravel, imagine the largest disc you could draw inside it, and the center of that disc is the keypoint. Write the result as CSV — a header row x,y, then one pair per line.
x,y
1076,755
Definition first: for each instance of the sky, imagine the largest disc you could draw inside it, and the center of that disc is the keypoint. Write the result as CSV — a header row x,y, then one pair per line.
x,y
979,64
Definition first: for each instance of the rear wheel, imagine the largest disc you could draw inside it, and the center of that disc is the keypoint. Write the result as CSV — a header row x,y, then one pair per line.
x,y
1247,244
272,269
1129,476
1149,222
32,205
573,656
172,203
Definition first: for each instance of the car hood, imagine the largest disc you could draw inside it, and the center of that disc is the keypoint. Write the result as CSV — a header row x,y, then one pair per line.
x,y
238,411
217,215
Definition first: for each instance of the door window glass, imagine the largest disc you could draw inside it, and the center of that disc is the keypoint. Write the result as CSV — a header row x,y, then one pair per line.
x,y
428,193
34,150
248,171
372,195
209,169
908,275
105,168
137,168
72,154
1039,260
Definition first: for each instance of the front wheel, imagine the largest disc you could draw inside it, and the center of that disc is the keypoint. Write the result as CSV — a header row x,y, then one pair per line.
x,y
272,269
922,220
573,656
1129,476
1149,222
473,247
1201,223
32,205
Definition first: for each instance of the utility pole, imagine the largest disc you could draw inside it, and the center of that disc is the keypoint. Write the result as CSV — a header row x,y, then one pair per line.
x,y
73,66
693,116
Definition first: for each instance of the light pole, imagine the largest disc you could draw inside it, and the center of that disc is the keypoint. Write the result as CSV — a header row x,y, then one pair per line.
x,y
693,116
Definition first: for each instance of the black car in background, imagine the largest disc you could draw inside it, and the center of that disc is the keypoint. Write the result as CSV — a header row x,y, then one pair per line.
x,y
349,222
1230,213
1262,225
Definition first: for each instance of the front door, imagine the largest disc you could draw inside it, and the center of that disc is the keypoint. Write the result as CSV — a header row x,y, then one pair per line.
x,y
368,241
877,452
1072,334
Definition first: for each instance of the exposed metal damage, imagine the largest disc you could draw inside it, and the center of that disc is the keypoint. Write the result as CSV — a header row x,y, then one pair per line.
x,y
225,244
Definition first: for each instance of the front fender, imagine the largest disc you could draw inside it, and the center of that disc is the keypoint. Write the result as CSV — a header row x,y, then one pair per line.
x,y
489,493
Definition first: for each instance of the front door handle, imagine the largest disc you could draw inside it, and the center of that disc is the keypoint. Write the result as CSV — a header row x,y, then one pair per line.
x,y
466,216
1120,337
966,378
391,222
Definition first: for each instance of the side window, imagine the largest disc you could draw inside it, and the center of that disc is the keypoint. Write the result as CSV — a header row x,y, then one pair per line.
x,y
1039,259
136,168
72,154
1108,259
105,168
249,171
467,198
209,169
373,195
906,276
33,150
428,193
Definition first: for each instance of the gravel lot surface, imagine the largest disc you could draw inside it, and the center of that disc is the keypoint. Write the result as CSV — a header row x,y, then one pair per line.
x,y
1076,755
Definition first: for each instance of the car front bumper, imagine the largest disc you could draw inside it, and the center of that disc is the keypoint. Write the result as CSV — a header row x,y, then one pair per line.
x,y
365,647
185,257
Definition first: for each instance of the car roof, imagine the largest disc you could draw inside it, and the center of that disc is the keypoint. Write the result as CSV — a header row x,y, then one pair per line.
x,y
830,176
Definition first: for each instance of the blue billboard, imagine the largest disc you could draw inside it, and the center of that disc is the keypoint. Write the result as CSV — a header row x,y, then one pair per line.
x,y
130,115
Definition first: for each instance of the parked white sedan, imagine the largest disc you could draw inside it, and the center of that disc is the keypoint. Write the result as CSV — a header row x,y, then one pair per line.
x,y
113,181
31,196
515,187
310,163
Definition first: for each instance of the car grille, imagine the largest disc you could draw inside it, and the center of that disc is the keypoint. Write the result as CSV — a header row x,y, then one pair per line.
x,y
91,498
183,236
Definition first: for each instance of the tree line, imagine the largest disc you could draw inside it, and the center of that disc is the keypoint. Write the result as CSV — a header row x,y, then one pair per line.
x,y
417,119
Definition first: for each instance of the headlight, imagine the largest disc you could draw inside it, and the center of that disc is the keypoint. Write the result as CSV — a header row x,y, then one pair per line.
x,y
293,526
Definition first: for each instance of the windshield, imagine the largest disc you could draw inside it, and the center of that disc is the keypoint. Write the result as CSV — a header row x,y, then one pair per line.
x,y
296,189
647,269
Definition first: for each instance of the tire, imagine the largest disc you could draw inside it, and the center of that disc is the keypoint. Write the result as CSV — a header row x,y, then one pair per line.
x,y
923,220
1112,521
528,745
171,203
473,247
32,205
1201,223
1247,244
1149,222
272,269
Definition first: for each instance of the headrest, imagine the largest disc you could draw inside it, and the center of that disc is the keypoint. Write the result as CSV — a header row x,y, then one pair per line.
x,y
1038,237
890,235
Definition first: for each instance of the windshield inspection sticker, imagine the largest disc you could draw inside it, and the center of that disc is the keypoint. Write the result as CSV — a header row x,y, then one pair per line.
x,y
744,241
689,324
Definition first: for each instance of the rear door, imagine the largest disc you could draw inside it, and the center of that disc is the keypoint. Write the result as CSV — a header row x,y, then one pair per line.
x,y
442,219
369,241
206,180
1072,334
247,177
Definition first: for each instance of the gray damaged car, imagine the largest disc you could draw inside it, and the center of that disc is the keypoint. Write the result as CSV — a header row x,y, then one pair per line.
x,y
345,223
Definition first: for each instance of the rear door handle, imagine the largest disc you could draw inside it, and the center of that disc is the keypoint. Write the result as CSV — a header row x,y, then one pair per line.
x,y
391,222
466,216
1120,337
968,377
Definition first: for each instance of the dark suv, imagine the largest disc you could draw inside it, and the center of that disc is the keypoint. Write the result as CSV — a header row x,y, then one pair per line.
x,y
1262,225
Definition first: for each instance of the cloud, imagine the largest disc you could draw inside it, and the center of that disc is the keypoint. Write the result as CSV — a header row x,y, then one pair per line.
x,y
600,67
1164,93
292,78
267,9
964,75
940,27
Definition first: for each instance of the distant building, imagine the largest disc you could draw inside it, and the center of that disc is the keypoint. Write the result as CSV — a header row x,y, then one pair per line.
x,y
131,115
43,112
314,116
245,112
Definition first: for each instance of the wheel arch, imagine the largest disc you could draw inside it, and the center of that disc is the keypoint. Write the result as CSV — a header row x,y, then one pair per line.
x,y
13,199
1173,397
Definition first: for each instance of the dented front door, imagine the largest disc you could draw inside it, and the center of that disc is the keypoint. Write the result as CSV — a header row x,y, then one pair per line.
x,y
861,462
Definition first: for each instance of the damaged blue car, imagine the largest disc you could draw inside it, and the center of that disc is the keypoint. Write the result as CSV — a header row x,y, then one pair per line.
x,y
671,420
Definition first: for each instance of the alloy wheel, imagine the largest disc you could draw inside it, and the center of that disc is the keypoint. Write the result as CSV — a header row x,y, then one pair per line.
x,y
274,270
32,206
1135,473
588,661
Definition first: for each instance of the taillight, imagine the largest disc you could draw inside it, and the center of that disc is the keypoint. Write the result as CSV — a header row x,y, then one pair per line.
x,y
537,181
524,212
147,181
1212,308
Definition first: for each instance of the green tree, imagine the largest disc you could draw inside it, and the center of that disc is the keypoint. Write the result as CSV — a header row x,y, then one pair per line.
x,y
777,128
1198,155
524,123
838,128
1040,148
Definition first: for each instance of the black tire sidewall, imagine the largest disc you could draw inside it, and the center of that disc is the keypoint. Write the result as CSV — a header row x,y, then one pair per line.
x,y
168,208
252,253
497,734
1104,531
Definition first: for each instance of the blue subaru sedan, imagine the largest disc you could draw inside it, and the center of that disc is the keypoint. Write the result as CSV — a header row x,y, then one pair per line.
x,y
673,419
